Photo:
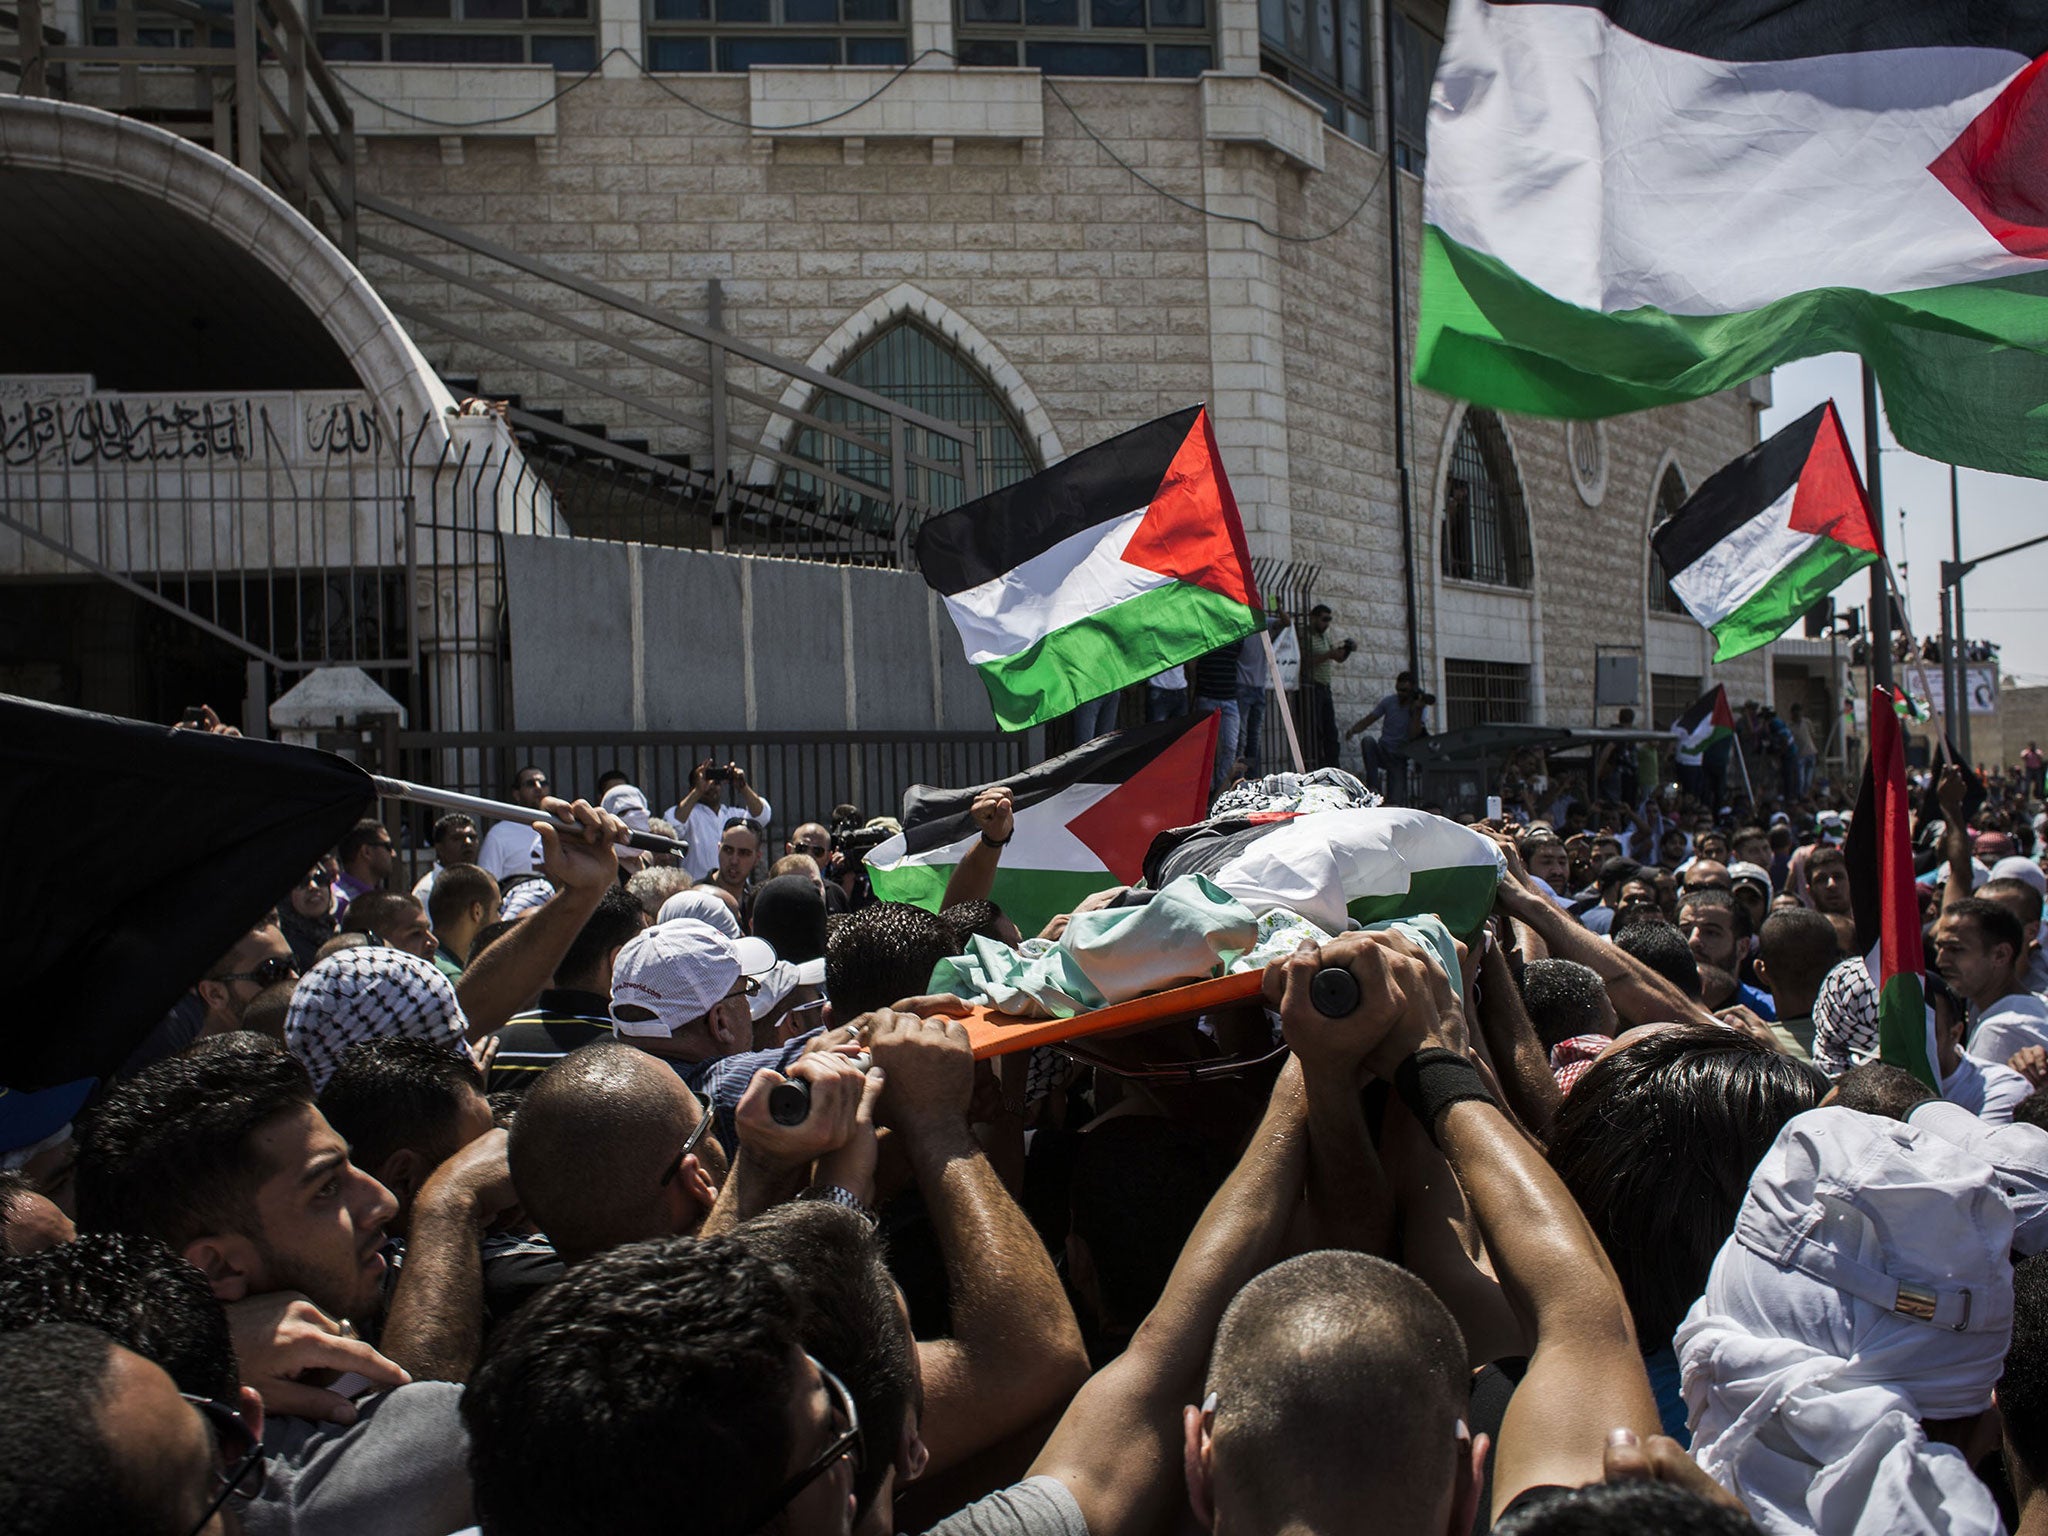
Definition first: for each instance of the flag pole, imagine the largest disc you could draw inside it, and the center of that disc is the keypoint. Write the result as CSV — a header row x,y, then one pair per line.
x,y
1918,665
1742,762
1286,711
455,800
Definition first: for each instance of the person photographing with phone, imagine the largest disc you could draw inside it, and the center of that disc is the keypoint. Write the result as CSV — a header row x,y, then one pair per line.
x,y
1400,718
716,796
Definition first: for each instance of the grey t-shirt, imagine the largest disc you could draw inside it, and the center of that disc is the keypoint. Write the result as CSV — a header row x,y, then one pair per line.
x,y
402,1469
1038,1506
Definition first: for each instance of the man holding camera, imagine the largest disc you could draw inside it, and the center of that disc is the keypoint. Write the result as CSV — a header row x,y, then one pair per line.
x,y
1400,720
1323,653
700,817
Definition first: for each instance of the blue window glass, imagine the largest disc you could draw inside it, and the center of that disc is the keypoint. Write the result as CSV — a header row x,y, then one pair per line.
x,y
1173,61
575,54
1118,13
455,48
738,53
869,10
692,54
557,10
420,9
1086,58
988,55
346,48
988,13
800,12
682,10
493,10
1180,13
1052,13
876,50
753,12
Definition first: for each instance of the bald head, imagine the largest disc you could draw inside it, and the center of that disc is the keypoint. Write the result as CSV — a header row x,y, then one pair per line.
x,y
596,1152
1340,1382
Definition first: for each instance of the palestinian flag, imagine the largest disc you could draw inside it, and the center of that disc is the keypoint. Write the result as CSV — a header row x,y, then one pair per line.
x,y
1708,720
1119,562
1771,534
1084,821
1632,204
1880,854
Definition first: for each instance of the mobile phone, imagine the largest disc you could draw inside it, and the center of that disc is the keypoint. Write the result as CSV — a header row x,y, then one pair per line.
x,y
718,775
1493,807
195,714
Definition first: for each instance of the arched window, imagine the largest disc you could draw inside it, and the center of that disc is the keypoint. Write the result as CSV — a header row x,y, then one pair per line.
x,y
1486,522
908,363
1671,495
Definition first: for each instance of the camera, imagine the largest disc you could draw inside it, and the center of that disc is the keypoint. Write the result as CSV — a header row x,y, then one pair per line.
x,y
718,775
1422,696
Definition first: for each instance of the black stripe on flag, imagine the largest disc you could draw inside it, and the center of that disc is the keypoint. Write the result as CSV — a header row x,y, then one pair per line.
x,y
1736,492
1758,31
999,532
934,817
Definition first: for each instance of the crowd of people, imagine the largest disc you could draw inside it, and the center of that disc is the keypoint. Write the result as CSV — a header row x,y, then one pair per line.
x,y
557,1187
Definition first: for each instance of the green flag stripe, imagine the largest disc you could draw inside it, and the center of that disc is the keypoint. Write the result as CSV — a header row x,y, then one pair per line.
x,y
1796,588
1961,366
1460,894
1902,1027
1030,897
1123,644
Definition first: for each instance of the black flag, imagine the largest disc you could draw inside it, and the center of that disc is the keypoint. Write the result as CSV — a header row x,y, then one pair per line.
x,y
139,855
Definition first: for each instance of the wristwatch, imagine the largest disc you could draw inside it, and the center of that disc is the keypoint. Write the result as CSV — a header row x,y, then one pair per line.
x,y
845,1199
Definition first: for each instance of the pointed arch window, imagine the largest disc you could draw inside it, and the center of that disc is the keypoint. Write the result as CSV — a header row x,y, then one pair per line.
x,y
909,363
1671,495
1485,519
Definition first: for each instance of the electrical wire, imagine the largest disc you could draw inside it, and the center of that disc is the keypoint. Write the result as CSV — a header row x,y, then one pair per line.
x,y
832,117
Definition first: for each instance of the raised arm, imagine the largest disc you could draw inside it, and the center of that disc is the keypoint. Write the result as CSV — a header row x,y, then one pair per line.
x,y
1350,1203
435,1329
1118,1449
582,867
1518,1057
1953,788
1585,1376
1015,1353
975,875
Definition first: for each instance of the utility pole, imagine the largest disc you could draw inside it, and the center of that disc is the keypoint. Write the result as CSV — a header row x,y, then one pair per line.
x,y
1880,592
1959,702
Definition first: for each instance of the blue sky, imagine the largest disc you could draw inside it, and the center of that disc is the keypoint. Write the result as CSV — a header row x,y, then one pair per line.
x,y
2006,600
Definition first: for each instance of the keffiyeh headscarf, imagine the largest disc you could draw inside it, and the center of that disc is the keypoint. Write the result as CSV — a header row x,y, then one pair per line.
x,y
1867,1286
1321,789
525,897
369,993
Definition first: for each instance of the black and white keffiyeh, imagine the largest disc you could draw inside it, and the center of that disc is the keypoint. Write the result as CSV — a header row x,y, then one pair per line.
x,y
369,993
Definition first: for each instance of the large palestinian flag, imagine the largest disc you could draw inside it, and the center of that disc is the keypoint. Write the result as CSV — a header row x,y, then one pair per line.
x,y
1879,851
1771,534
1084,821
1119,562
1630,204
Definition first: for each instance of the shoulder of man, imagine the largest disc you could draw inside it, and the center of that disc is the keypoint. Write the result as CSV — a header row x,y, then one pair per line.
x,y
1038,1506
402,1468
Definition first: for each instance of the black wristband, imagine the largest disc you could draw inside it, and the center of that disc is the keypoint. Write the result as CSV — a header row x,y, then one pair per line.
x,y
1432,1080
989,842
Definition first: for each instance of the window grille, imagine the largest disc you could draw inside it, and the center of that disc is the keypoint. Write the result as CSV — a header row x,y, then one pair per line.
x,y
1671,495
1485,693
732,36
1486,523
1671,695
558,32
1158,38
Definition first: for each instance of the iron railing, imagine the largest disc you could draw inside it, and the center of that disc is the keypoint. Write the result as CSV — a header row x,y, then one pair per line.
x,y
726,441
206,70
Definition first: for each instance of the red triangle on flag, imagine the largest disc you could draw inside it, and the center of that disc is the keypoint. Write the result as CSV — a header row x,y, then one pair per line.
x,y
1192,530
1994,167
1170,791
1830,500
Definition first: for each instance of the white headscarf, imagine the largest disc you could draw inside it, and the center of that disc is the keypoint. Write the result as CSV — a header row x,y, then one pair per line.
x,y
705,906
1804,1384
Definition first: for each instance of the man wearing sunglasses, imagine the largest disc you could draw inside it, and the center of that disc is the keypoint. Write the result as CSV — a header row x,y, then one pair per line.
x,y
513,847
261,958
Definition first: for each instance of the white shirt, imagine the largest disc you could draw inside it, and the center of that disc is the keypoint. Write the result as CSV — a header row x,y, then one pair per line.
x,y
510,848
1987,1089
423,888
2015,1020
703,827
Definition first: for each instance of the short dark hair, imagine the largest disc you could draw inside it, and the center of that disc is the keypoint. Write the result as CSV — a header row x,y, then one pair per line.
x,y
1823,855
1624,1509
1712,897
789,913
618,919
2032,1110
357,837
450,824
397,1092
488,935
703,1334
852,1325
168,1152
137,1292
458,888
1799,949
58,1477
374,911
1563,999
882,954
1993,923
1657,1143
2023,1389
612,775
1312,1349
1661,947
1616,871
1878,1089
2029,899
965,920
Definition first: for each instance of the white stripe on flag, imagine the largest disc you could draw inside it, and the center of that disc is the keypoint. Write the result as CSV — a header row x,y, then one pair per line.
x,y
1614,173
1743,564
1041,841
1081,575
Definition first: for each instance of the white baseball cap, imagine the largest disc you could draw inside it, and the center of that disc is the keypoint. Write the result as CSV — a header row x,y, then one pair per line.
x,y
671,975
782,978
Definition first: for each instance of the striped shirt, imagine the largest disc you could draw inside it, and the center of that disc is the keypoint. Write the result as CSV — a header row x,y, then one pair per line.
x,y
531,1042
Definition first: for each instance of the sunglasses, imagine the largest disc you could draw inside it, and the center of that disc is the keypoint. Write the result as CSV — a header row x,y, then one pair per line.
x,y
237,1454
689,1142
845,1443
268,973
534,783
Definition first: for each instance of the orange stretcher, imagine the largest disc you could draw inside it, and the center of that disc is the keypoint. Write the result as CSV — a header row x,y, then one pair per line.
x,y
998,1034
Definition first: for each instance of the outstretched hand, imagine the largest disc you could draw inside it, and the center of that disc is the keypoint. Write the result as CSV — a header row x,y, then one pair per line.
x,y
1399,1006
585,860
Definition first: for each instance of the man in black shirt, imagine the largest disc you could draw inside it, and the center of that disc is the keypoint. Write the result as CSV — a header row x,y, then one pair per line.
x,y
577,1008
1216,688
